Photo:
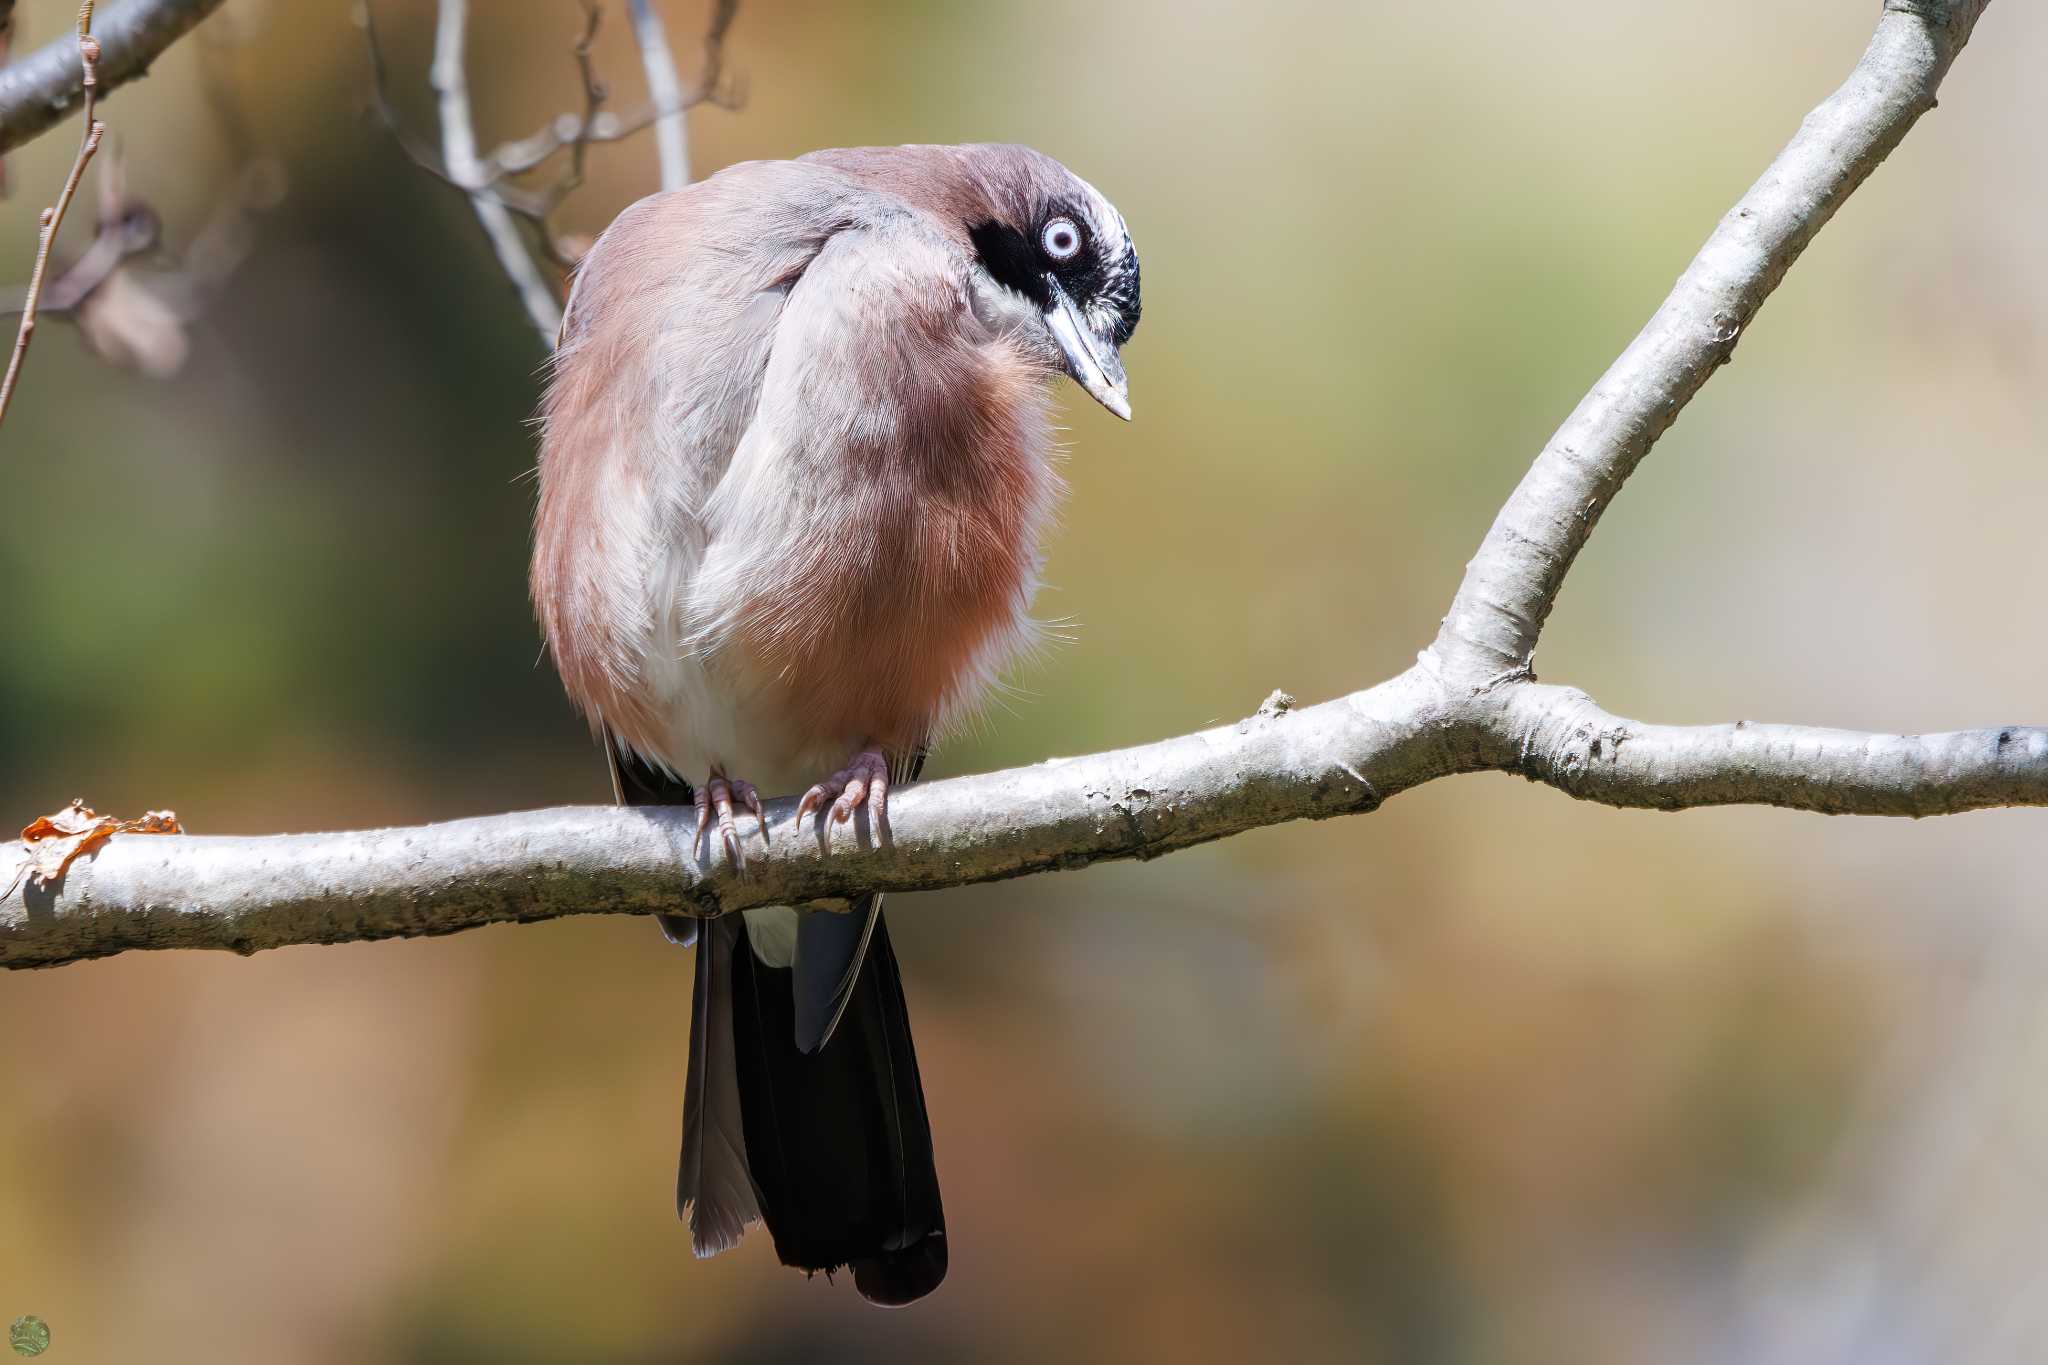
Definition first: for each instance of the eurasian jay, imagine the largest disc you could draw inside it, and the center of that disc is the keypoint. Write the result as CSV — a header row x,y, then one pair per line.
x,y
795,466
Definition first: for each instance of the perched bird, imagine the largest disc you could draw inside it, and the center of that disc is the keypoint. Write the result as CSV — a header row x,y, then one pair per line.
x,y
795,466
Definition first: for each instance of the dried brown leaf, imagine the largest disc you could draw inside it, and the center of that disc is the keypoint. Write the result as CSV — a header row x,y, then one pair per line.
x,y
56,840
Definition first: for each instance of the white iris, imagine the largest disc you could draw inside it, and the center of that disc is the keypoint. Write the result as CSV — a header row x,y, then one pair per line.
x,y
1061,239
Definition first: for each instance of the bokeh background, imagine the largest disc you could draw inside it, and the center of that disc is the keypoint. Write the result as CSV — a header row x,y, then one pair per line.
x,y
1488,1076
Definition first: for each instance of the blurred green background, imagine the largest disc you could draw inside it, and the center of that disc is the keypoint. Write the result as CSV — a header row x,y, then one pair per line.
x,y
1488,1076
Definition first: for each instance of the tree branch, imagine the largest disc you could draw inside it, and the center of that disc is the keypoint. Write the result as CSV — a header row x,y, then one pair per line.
x,y
170,891
1470,702
39,90
1559,736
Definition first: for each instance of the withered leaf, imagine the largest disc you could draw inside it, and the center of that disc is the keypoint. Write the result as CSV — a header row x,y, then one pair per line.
x,y
54,841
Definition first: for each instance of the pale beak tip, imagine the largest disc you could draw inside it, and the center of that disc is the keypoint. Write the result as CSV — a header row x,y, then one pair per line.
x,y
1090,356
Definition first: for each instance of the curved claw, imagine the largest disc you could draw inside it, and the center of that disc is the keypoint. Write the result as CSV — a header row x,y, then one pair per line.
x,y
717,796
863,781
878,801
752,799
850,797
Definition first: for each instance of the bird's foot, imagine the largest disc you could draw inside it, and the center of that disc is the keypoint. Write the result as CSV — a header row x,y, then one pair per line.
x,y
716,796
863,781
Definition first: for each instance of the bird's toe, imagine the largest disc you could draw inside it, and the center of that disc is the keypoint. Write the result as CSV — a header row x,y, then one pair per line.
x,y
864,781
715,800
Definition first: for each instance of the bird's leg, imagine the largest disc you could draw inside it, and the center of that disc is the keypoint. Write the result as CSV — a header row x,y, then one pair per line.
x,y
863,781
718,794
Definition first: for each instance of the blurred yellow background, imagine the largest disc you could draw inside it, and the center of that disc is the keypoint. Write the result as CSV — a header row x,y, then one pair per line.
x,y
1488,1076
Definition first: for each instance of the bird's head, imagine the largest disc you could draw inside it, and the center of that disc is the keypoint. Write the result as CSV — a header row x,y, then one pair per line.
x,y
1050,260
1052,252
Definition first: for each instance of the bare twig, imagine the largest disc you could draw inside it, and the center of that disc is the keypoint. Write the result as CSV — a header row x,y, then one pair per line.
x,y
664,89
492,169
571,180
122,232
524,155
40,89
668,103
421,153
53,217
450,80
1468,704
131,230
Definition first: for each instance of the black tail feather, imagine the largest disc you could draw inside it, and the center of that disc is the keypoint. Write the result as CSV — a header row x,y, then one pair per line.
x,y
838,1141
838,1144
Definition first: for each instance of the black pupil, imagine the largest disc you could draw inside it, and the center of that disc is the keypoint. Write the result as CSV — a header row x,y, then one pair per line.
x,y
1062,240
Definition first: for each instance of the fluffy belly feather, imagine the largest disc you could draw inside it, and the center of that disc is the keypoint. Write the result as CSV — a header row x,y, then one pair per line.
x,y
880,636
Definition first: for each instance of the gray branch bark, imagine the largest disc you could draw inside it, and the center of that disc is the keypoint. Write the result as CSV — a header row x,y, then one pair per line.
x,y
1559,736
243,894
40,90
1470,703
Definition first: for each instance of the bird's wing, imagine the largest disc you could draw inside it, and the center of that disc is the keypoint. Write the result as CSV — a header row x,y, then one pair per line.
x,y
874,365
665,342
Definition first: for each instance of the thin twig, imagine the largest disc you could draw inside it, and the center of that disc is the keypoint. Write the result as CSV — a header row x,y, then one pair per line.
x,y
53,217
132,230
664,91
668,102
422,155
450,80
426,156
523,155
571,180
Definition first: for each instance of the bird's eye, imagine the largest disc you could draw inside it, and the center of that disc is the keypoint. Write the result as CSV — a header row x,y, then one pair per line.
x,y
1061,239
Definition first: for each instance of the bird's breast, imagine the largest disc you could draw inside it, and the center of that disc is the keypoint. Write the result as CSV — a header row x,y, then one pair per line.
x,y
900,584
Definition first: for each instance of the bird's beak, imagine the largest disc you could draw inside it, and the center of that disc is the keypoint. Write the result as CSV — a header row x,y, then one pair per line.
x,y
1091,357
